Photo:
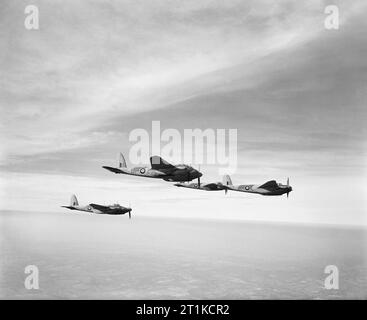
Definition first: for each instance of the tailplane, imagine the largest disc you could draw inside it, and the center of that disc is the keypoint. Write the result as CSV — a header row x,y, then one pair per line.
x,y
73,201
227,180
122,162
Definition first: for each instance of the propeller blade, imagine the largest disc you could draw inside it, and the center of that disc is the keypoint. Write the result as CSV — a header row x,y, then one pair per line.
x,y
287,195
225,191
288,182
130,214
199,182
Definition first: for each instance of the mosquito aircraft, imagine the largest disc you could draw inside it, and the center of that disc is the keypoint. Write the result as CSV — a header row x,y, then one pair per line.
x,y
213,186
114,209
160,169
270,188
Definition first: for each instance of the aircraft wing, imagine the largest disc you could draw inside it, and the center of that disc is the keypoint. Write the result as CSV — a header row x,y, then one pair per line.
x,y
270,185
160,164
210,186
114,170
99,207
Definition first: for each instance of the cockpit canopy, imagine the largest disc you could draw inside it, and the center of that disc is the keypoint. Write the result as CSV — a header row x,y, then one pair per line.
x,y
183,166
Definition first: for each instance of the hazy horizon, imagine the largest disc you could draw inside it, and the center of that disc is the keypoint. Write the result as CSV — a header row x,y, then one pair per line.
x,y
203,219
162,258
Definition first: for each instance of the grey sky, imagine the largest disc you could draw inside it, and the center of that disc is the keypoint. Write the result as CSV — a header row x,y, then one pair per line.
x,y
73,90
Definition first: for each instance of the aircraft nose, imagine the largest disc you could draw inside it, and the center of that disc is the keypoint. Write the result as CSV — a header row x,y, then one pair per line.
x,y
195,173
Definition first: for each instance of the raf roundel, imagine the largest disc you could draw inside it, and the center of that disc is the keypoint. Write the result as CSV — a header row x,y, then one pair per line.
x,y
142,170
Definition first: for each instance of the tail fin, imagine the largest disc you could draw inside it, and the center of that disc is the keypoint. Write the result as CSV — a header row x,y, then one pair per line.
x,y
122,162
227,180
73,201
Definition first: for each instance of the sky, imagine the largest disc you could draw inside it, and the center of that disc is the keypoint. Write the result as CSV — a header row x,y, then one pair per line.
x,y
72,91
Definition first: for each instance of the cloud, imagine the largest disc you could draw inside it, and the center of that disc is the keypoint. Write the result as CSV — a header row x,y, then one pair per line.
x,y
90,62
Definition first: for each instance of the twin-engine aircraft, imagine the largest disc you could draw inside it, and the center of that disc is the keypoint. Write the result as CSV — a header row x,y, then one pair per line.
x,y
270,188
160,169
213,186
114,209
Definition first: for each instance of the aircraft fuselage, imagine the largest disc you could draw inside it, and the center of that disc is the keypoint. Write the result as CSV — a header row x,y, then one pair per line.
x,y
202,186
251,188
180,174
92,208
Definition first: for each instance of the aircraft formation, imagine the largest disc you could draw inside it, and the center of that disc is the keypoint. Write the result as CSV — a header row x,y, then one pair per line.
x,y
182,174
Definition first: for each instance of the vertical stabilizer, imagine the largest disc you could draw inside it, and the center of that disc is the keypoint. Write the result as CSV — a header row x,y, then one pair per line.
x,y
227,180
122,162
73,201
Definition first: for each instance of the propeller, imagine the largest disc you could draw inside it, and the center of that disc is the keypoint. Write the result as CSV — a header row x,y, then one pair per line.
x,y
226,190
288,187
199,178
129,214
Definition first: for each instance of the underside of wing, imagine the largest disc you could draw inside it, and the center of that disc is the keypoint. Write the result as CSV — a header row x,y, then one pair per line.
x,y
270,185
